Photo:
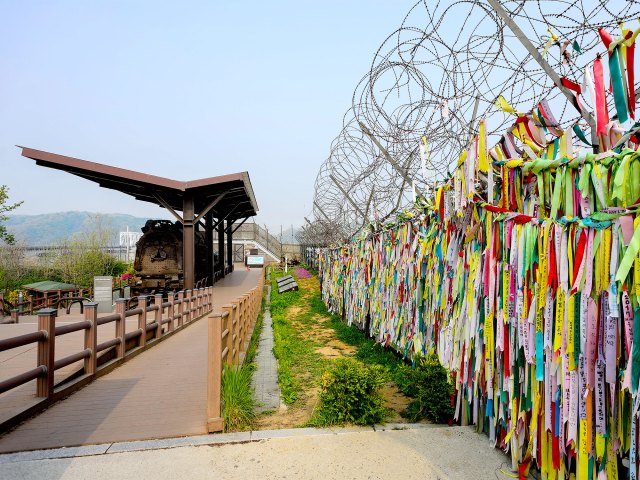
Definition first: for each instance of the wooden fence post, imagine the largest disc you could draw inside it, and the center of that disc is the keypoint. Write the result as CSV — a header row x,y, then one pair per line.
x,y
170,298
235,338
194,304
142,320
228,342
91,337
247,321
121,308
215,422
157,300
180,308
46,351
187,306
15,315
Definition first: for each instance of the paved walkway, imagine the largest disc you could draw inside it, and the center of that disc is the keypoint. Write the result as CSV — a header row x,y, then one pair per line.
x,y
419,451
18,360
160,393
265,377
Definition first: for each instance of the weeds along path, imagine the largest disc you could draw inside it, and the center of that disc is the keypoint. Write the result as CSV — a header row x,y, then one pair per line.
x,y
307,340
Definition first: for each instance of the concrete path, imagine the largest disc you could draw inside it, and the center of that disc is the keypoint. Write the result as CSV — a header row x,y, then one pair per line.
x,y
265,376
160,393
416,452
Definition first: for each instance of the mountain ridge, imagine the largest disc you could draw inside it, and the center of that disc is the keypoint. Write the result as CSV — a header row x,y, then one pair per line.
x,y
50,228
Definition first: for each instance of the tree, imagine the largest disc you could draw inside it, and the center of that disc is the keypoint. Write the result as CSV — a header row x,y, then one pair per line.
x,y
85,255
4,208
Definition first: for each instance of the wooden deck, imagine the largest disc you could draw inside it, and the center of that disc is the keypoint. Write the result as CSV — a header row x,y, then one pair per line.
x,y
160,393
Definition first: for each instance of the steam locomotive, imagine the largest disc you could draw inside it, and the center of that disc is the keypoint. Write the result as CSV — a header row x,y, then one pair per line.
x,y
158,263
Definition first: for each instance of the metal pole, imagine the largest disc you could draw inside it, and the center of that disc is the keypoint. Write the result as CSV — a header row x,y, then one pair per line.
x,y
346,195
403,173
369,201
533,51
322,212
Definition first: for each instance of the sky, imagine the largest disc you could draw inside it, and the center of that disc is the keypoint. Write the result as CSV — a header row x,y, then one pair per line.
x,y
183,90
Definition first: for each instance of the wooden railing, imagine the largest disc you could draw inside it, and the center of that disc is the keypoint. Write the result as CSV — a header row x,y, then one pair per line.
x,y
31,304
229,335
178,310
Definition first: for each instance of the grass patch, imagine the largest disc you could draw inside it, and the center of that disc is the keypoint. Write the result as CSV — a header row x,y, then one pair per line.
x,y
307,339
237,392
298,362
255,336
351,393
237,398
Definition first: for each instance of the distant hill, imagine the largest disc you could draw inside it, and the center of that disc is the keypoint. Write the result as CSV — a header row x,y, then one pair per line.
x,y
48,229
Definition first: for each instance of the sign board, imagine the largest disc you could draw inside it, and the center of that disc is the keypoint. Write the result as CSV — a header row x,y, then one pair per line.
x,y
255,261
102,294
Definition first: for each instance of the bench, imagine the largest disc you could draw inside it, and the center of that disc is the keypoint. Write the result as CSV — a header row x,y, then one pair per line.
x,y
286,284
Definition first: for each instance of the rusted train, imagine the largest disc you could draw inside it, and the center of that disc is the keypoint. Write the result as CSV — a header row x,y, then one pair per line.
x,y
158,262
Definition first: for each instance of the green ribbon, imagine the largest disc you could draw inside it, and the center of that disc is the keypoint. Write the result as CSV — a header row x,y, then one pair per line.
x,y
629,257
555,200
578,131
576,47
619,93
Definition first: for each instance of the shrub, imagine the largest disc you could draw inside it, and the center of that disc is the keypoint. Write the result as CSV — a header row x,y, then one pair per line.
x,y
430,386
351,392
237,398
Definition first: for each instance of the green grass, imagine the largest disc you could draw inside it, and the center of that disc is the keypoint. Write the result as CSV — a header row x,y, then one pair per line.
x,y
255,336
237,392
237,398
301,367
298,362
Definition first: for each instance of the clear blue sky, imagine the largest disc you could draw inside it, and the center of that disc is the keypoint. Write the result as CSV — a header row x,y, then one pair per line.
x,y
183,90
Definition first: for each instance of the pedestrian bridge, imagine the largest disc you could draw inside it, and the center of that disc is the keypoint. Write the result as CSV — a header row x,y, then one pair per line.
x,y
149,393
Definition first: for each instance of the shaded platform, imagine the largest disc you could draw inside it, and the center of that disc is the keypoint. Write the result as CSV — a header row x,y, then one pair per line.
x,y
161,393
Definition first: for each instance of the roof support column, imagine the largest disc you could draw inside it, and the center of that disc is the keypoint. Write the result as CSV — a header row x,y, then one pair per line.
x,y
208,236
188,241
221,259
229,246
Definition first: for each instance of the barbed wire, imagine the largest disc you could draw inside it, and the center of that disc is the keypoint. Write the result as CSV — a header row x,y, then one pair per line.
x,y
424,83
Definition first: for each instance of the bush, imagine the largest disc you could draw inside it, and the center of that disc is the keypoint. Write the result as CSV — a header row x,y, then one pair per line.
x,y
429,384
351,392
237,398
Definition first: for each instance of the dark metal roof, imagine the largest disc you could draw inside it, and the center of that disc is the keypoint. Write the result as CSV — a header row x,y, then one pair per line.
x,y
239,193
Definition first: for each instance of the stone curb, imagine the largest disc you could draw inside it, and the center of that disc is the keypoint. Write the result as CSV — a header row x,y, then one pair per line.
x,y
197,440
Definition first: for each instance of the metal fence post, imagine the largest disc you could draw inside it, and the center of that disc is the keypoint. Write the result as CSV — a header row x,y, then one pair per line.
x,y
46,351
